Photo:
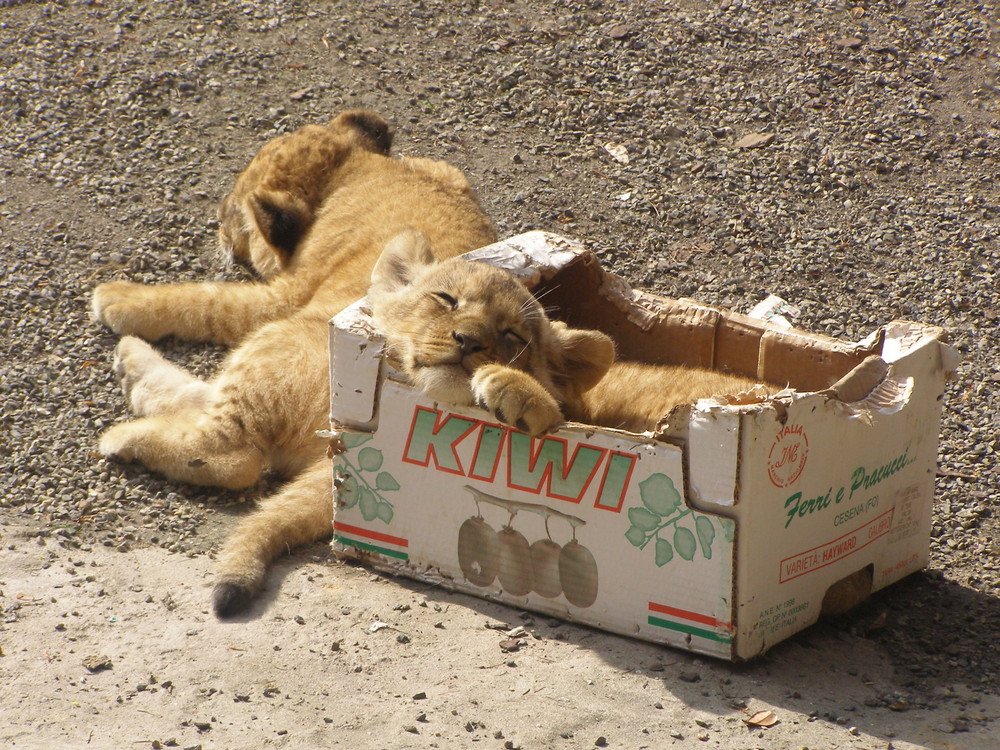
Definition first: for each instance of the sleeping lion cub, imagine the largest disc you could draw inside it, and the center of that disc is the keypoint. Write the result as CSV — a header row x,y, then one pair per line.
x,y
311,212
469,333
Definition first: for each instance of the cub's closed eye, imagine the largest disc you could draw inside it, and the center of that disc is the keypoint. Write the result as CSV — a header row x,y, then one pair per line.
x,y
446,299
514,337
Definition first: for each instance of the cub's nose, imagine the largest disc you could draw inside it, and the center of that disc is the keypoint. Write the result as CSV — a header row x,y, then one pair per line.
x,y
467,344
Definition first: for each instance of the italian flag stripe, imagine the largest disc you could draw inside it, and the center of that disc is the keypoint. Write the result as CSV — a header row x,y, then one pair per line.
x,y
693,625
684,614
371,547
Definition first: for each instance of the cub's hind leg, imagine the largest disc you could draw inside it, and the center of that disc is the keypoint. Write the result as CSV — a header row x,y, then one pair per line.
x,y
178,433
154,386
300,513
193,445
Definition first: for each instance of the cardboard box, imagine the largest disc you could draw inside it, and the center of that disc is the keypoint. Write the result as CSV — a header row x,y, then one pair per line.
x,y
720,532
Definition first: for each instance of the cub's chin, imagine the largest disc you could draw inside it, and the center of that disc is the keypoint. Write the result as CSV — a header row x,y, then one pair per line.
x,y
448,383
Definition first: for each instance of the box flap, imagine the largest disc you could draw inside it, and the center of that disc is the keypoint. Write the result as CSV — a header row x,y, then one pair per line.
x,y
356,361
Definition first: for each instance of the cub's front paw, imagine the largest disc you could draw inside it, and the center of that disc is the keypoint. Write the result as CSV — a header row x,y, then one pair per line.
x,y
120,305
515,398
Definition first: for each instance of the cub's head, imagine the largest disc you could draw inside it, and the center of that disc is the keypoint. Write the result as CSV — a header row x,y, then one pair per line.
x,y
443,320
279,194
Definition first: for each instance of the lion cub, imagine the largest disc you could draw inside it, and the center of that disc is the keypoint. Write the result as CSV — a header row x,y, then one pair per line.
x,y
469,333
311,212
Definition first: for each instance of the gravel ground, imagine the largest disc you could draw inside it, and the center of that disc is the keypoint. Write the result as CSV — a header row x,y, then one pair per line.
x,y
843,156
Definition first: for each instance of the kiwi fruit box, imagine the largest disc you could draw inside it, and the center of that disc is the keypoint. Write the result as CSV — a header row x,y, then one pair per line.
x,y
734,524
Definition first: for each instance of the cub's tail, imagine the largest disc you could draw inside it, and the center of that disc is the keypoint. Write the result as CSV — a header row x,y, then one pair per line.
x,y
300,513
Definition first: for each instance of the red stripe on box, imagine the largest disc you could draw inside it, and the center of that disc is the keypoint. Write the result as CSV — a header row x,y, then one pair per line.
x,y
369,534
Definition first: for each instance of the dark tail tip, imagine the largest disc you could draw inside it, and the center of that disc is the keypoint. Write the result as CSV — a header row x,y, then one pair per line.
x,y
229,599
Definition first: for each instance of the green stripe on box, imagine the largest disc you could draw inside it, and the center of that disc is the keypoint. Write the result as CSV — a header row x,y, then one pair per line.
x,y
371,547
681,627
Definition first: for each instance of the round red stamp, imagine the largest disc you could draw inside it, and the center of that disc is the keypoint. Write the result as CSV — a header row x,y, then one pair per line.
x,y
788,455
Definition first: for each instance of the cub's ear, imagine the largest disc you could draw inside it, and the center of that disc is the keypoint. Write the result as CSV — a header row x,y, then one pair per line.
x,y
282,220
586,356
403,256
368,129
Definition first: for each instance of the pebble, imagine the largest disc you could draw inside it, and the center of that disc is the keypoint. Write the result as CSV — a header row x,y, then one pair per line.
x,y
97,663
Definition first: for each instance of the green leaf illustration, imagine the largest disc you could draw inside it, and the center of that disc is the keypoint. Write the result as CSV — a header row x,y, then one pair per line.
x,y
370,459
386,482
643,519
354,439
384,512
664,552
347,493
684,542
368,504
659,494
728,529
636,536
706,534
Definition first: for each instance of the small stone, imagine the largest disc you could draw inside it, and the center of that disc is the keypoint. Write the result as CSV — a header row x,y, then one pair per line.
x,y
848,42
689,677
755,140
601,741
97,663
620,31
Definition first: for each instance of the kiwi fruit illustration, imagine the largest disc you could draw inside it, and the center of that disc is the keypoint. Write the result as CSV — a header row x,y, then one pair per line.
x,y
515,562
578,574
478,551
545,568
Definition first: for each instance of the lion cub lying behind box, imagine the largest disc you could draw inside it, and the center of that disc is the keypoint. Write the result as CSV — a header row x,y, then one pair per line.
x,y
469,333
312,213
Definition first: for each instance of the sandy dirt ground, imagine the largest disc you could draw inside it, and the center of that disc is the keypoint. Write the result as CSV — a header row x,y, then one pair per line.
x,y
336,656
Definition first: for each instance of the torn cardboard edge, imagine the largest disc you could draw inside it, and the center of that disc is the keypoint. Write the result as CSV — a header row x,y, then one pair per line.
x,y
660,330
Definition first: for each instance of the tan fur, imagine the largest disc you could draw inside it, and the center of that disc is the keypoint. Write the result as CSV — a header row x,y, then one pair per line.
x,y
429,312
312,213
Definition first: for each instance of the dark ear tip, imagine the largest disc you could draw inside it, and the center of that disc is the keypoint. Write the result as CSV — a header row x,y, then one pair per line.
x,y
371,126
281,220
229,599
